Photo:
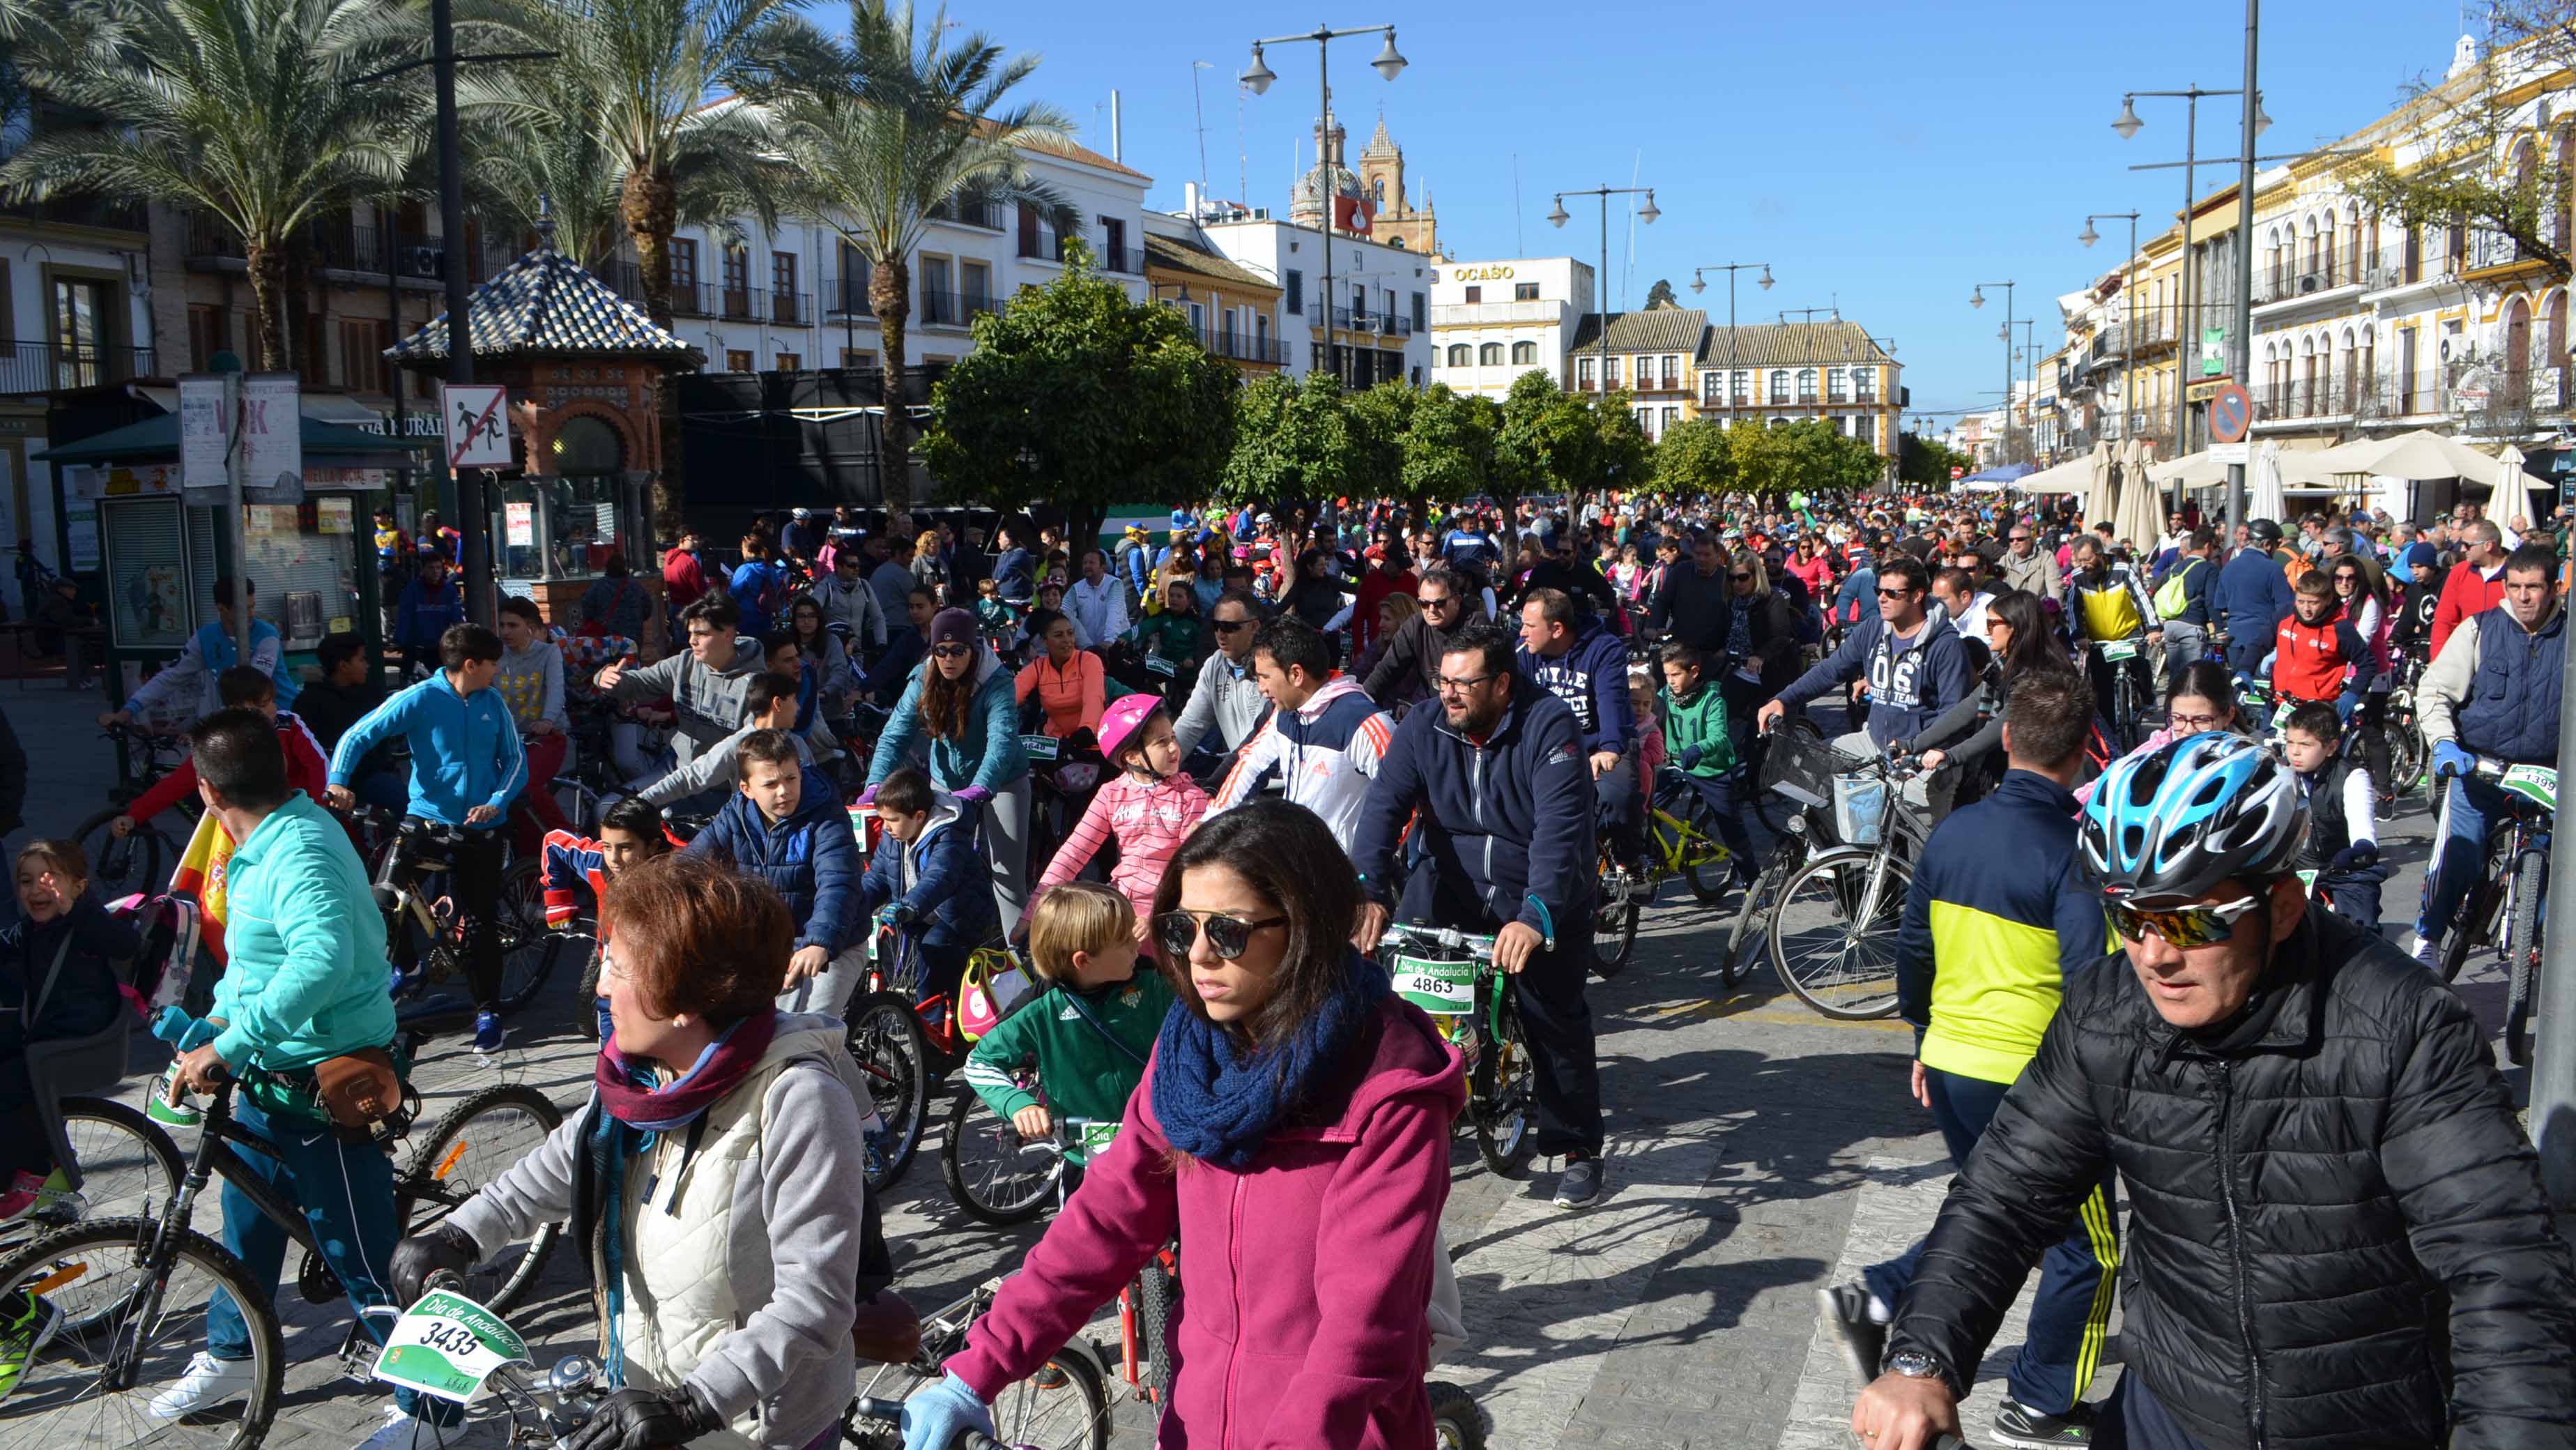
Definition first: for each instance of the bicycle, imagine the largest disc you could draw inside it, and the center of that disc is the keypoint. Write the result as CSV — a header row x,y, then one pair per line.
x,y
890,1037
427,940
1680,844
1064,1406
1451,975
2407,751
140,862
2121,658
138,1286
2504,908
1832,931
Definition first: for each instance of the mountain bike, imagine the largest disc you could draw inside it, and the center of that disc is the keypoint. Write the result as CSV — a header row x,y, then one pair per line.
x,y
2504,908
139,1287
1833,931
2407,751
1451,975
1681,840
2121,658
140,862
427,938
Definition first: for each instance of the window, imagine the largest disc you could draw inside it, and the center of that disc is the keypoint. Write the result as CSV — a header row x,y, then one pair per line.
x,y
852,288
737,360
1646,422
1113,245
1743,385
1225,330
938,305
1610,372
1475,294
1421,312
1779,385
1834,379
208,334
976,280
789,362
782,272
1524,352
737,285
1708,390
1458,354
1296,292
684,264
1672,370
1583,372
364,368
1490,355
1524,291
1865,385
858,357
1261,337
1671,416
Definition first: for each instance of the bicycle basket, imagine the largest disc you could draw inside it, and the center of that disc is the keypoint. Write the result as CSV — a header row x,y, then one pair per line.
x,y
1801,764
1860,809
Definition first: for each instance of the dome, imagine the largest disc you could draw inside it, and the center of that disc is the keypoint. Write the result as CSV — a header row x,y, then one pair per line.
x,y
1305,199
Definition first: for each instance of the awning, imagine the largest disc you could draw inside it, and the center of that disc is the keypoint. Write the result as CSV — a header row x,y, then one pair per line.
x,y
156,440
2005,474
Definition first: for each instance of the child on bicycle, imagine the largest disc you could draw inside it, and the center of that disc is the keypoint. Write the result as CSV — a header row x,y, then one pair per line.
x,y
2343,843
629,832
2316,647
1652,752
57,980
923,876
786,826
1150,806
1092,1029
1696,732
307,768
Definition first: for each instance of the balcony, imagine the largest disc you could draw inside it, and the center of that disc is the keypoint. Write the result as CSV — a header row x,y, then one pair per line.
x,y
82,210
791,309
740,304
951,309
985,214
2308,399
45,366
847,297
2287,281
1042,246
1129,261
2405,266
1241,347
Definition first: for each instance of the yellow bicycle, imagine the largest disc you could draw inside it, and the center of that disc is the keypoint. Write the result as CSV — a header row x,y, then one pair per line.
x,y
1683,845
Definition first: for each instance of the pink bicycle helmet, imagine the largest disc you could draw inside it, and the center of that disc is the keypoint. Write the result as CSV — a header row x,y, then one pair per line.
x,y
1119,723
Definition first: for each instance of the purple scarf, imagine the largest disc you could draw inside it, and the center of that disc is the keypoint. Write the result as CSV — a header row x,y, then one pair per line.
x,y
626,1093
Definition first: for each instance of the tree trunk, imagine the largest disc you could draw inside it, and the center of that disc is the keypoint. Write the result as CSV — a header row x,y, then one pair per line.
x,y
650,203
889,290
265,261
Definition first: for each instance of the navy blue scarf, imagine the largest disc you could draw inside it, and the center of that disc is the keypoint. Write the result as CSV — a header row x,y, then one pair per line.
x,y
1220,1105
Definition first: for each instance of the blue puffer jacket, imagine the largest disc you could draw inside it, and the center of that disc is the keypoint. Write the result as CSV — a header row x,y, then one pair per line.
x,y
811,857
989,755
1591,677
941,877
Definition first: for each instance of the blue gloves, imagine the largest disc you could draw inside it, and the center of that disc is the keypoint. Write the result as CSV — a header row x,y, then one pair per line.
x,y
934,1418
2359,856
1688,758
2450,759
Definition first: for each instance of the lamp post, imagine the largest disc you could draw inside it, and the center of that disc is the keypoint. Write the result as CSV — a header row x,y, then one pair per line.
x,y
1977,298
1699,283
2128,292
1601,280
1258,76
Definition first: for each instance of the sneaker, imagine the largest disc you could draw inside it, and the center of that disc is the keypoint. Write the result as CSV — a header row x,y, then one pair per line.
x,y
403,1430
488,1031
57,1201
2018,1424
20,1198
206,1383
159,1108
1580,1184
1863,1338
23,1335
2426,953
2388,808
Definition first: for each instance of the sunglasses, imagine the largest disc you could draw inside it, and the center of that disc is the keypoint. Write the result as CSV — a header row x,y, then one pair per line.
x,y
1743,578
1227,936
1896,594
1229,626
1440,603
950,651
2184,927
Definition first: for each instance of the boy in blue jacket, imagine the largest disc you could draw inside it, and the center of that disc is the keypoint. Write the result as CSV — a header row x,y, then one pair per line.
x,y
429,607
1578,660
787,827
924,876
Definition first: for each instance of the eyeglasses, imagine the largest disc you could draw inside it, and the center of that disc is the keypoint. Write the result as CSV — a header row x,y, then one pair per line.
x,y
2185,927
1449,686
1227,936
2021,538
950,651
1229,626
2191,724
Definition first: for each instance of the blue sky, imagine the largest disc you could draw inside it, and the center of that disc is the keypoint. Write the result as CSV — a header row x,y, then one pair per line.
x,y
1881,156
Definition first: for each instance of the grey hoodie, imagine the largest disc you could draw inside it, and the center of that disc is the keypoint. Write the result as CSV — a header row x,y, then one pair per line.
x,y
531,681
708,702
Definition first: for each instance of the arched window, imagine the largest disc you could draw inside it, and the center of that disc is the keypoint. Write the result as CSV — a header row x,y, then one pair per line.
x,y
2307,394
1779,386
1458,354
2517,349
2326,252
1490,355
2553,331
1806,385
2350,400
2272,258
1524,352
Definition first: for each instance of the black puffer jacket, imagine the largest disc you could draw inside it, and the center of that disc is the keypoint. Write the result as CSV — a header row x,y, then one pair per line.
x,y
2321,1193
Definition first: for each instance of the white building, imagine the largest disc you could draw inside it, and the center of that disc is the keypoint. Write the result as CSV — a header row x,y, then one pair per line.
x,y
1380,295
1493,321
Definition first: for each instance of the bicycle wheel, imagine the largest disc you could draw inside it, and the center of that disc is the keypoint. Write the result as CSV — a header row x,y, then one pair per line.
x,y
1064,1406
1614,922
1706,865
1833,935
887,1040
1158,1312
1502,1096
991,1170
1758,900
528,950
129,1168
486,1136
91,1389
2475,926
140,864
2405,758
1456,1422
2522,992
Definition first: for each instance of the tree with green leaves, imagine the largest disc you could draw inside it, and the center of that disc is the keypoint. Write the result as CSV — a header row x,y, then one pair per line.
x,y
1381,420
910,122
534,153
1548,442
1926,462
1294,439
1626,456
247,110
1694,458
1080,396
1448,447
1810,456
1661,296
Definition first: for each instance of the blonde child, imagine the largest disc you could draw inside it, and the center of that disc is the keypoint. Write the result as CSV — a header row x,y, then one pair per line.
x,y
1089,1033
1150,806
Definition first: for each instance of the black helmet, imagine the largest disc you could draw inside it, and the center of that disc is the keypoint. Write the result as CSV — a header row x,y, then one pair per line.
x,y
2266,530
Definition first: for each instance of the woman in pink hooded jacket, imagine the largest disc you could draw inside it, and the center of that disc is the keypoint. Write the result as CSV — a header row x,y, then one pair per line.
x,y
1293,1127
1149,806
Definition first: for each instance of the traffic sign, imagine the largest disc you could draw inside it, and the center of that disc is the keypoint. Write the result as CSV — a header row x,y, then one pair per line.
x,y
2230,453
1955,472
478,434
2231,413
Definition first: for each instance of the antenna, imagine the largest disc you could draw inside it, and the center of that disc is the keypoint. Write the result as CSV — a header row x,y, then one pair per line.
x,y
1200,111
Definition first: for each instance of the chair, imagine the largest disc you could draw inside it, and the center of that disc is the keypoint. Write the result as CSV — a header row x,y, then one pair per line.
x,y
75,1067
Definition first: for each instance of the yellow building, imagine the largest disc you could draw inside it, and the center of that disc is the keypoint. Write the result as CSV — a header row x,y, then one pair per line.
x,y
1230,306
1779,372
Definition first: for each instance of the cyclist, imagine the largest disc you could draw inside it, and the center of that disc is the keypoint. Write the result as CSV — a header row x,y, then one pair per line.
x,y
2492,692
2186,596
1916,663
2316,647
2338,1234
1507,800
57,980
466,768
630,831
1581,662
1696,605
1090,1032
304,982
704,682
758,586
347,693
243,687
962,701
2253,597
430,605
918,881
1227,699
785,825
1293,1129
716,1175
1410,668
849,597
192,681
2343,846
2107,604
2474,585
1701,738
1148,807
531,683
1998,919
1325,737
769,703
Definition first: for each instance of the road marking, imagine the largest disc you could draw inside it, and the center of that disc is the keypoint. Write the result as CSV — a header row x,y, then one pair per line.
x,y
1742,1009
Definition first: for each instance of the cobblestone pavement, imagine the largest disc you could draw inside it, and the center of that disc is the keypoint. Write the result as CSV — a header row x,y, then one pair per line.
x,y
1757,1153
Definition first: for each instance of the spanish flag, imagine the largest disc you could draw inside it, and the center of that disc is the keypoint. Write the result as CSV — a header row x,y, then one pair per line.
x,y
201,874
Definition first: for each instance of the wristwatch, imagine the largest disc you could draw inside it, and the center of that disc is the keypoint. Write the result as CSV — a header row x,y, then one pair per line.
x,y
1915,1364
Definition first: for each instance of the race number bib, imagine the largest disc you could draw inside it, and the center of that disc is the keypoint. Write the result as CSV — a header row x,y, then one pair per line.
x,y
1041,747
2535,783
448,1347
2120,649
1161,666
1096,1138
1443,989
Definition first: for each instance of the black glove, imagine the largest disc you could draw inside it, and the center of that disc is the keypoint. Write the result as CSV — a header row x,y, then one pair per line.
x,y
1688,758
633,1419
416,1258
2359,856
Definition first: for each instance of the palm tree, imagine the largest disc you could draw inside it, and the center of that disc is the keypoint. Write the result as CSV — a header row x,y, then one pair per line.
x,y
247,110
534,155
907,123
651,64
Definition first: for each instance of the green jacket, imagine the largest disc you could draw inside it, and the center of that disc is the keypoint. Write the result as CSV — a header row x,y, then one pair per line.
x,y
305,977
1083,1073
1700,721
1179,638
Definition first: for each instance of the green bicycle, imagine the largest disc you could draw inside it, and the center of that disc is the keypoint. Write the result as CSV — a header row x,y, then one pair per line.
x,y
1684,845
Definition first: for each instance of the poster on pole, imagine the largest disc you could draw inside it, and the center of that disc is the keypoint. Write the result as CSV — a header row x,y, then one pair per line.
x,y
478,425
272,438
205,437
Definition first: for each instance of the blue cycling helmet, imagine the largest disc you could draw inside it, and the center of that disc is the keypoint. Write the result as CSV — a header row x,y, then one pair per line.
x,y
2176,821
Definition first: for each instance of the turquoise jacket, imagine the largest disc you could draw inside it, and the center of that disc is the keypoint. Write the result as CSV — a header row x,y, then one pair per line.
x,y
305,977
989,755
464,749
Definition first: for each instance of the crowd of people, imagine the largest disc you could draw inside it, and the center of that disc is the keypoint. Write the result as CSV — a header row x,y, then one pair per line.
x,y
1197,770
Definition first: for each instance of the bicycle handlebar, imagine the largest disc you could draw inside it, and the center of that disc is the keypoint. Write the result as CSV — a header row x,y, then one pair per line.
x,y
1447,938
871,1407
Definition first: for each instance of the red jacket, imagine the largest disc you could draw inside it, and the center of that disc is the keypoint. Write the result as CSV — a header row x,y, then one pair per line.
x,y
1306,1277
2465,595
2309,660
1374,589
308,769
683,578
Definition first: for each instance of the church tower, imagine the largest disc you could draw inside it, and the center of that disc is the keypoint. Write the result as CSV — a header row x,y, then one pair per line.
x,y
1399,223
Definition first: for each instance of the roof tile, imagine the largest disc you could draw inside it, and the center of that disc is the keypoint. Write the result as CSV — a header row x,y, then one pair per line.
x,y
545,305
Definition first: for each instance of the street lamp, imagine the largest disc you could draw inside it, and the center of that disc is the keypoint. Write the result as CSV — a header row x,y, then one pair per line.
x,y
1977,298
1699,283
1259,75
2129,291
2128,125
1601,282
